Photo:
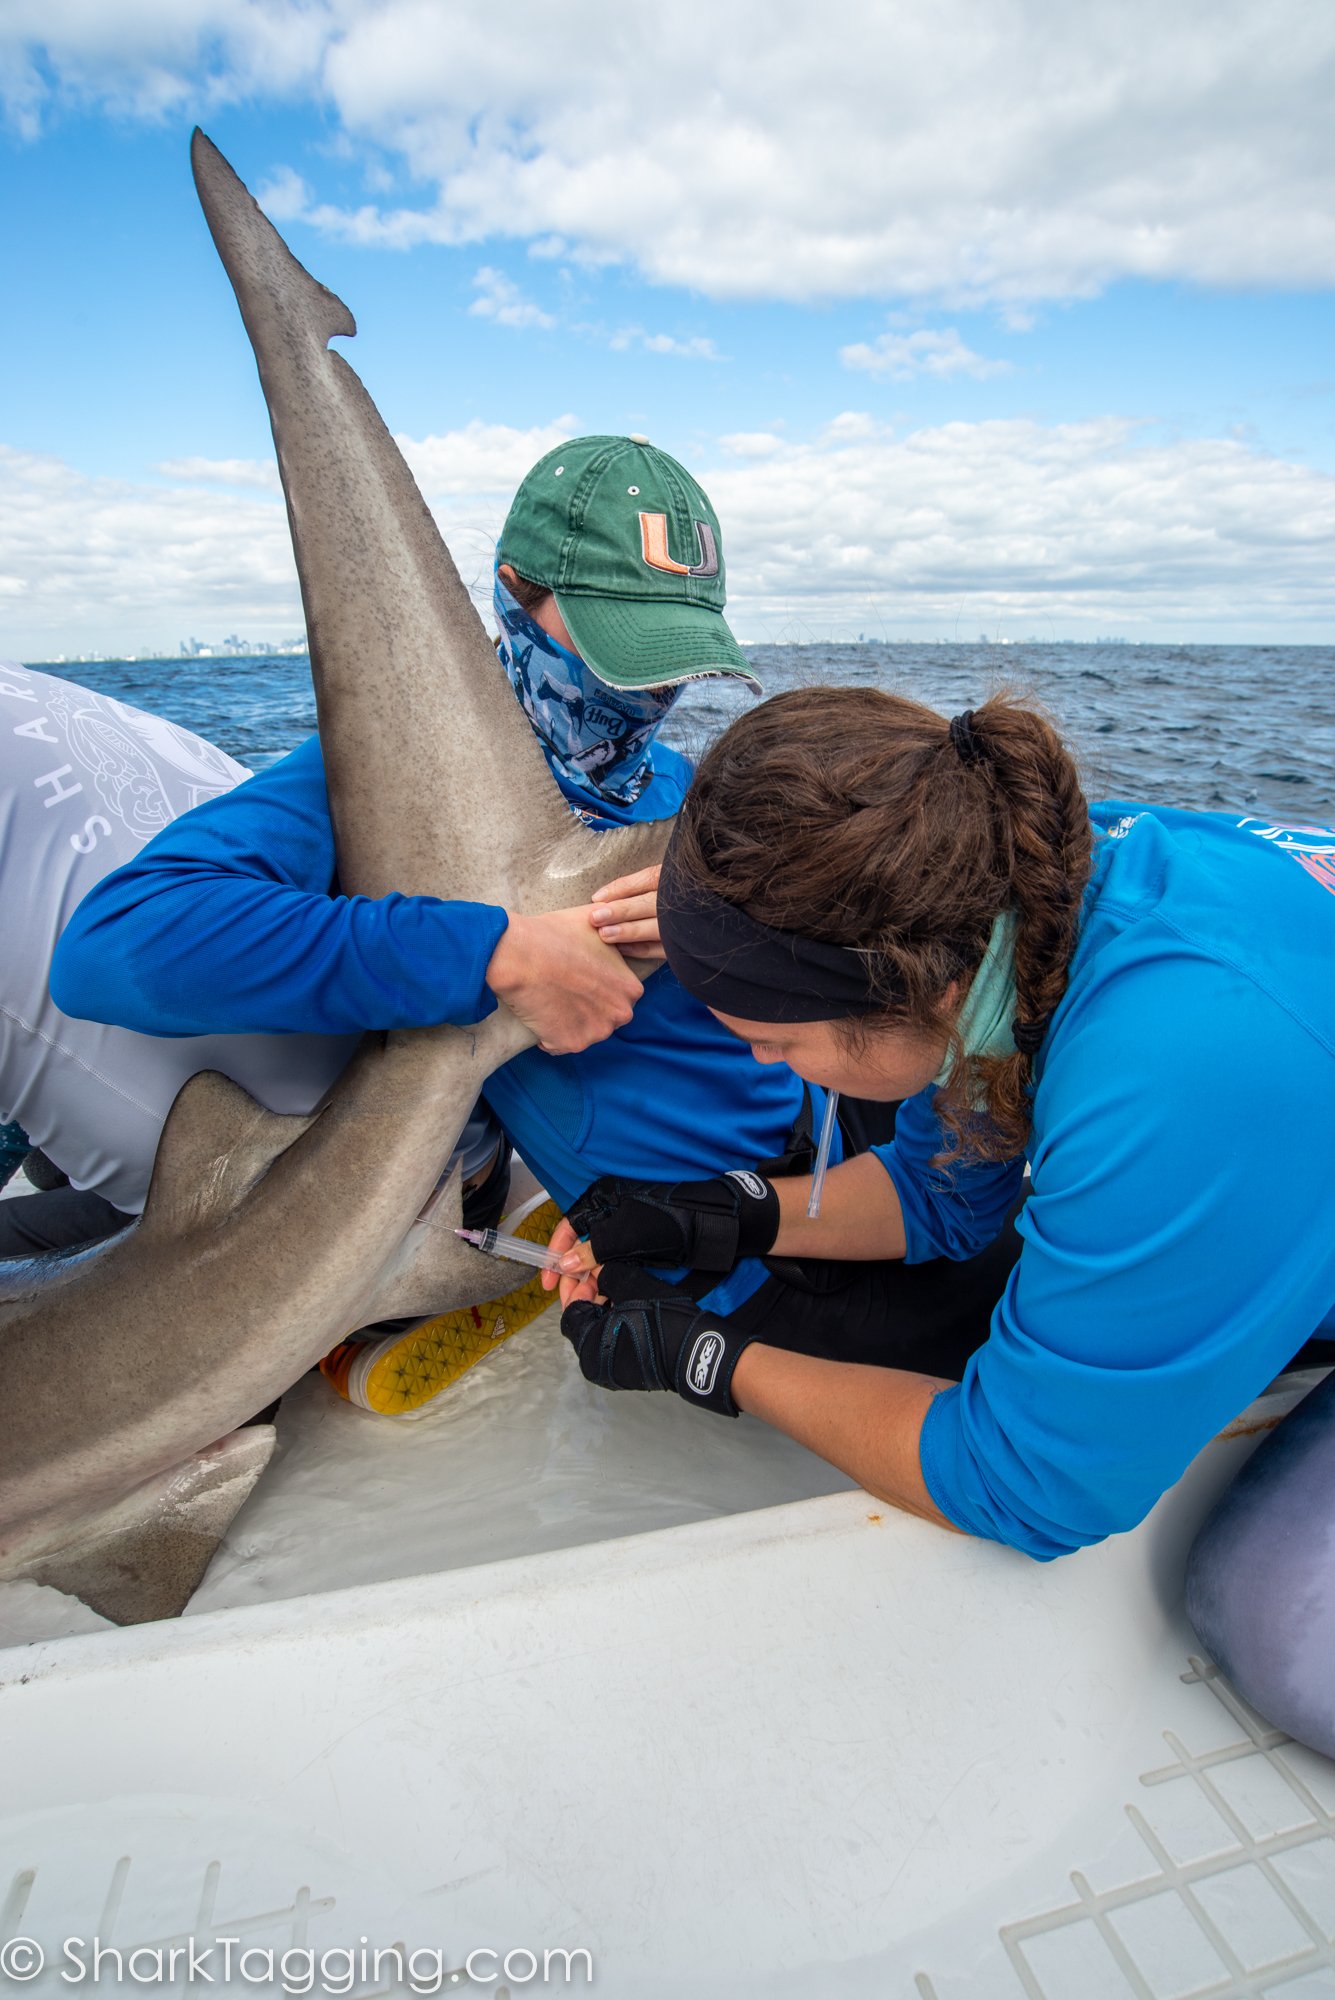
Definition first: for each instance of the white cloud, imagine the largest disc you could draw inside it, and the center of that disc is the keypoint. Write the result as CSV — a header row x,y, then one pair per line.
x,y
1092,526
952,151
224,471
148,58
1073,528
752,444
697,347
482,460
1017,318
110,563
284,197
926,352
500,298
104,563
849,425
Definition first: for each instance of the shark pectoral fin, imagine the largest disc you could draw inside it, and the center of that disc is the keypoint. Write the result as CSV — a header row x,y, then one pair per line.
x,y
582,860
434,1270
216,1144
144,1557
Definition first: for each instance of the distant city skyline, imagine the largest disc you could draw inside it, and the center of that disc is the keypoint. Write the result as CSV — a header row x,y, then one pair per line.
x,y
230,648
968,319
233,648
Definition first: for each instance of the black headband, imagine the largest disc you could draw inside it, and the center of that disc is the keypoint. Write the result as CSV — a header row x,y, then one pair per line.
x,y
729,961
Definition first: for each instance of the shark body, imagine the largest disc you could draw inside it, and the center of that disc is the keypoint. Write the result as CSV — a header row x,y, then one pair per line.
x,y
125,1371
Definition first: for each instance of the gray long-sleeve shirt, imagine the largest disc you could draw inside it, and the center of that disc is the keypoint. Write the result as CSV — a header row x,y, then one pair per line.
x,y
85,782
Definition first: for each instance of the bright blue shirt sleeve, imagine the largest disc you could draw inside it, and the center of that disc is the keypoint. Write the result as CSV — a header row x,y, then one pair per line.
x,y
949,1211
1177,1253
229,922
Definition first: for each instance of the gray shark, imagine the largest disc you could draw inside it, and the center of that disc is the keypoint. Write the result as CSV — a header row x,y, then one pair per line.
x,y
126,1371
1261,1575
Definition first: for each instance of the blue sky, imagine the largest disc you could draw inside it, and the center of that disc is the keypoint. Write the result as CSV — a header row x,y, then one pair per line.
x,y
1073,365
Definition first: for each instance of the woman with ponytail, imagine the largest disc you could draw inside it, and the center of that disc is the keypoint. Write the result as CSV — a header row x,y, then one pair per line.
x,y
1136,1002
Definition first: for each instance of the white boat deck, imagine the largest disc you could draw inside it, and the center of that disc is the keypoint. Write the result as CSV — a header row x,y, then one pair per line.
x,y
556,1670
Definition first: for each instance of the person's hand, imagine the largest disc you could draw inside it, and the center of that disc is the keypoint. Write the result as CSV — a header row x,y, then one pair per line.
x,y
645,1335
563,982
626,915
703,1225
579,1266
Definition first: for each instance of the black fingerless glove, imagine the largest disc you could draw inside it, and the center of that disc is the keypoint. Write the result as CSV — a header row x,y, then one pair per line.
x,y
648,1336
703,1225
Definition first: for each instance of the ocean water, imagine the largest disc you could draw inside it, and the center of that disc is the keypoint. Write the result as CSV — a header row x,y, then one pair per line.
x,y
1227,728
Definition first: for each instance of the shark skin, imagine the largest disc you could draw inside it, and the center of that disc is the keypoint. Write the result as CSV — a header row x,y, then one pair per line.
x,y
125,1371
1260,1588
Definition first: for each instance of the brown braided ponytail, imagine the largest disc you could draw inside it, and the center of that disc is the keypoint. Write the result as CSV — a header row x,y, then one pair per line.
x,y
864,819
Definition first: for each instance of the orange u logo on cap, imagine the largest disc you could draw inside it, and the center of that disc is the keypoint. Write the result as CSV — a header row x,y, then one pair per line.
x,y
654,543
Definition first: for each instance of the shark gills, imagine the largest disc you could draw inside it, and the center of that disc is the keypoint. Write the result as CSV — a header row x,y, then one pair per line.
x,y
126,1371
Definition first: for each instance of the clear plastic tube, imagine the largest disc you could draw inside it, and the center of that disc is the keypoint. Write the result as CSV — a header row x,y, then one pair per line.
x,y
823,1154
494,1244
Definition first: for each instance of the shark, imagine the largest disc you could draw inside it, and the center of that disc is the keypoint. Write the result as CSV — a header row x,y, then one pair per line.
x,y
129,1373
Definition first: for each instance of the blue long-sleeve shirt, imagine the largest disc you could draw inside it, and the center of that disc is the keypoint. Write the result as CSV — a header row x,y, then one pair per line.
x,y
1179,1239
232,913
231,921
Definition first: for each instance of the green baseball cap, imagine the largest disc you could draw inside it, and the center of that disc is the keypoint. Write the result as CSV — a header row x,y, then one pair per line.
x,y
630,546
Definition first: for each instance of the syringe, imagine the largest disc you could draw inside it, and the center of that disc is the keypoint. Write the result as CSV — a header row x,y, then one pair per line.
x,y
823,1154
494,1244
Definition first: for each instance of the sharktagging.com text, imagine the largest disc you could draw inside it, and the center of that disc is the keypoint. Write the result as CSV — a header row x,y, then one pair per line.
x,y
293,1969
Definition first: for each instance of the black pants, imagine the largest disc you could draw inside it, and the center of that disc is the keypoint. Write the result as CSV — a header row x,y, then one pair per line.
x,y
926,1317
63,1219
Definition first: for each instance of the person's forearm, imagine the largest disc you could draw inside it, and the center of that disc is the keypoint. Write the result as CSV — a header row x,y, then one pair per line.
x,y
210,954
866,1421
229,922
860,1215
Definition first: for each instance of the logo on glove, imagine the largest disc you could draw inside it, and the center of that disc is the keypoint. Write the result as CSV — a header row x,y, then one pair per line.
x,y
749,1183
703,1366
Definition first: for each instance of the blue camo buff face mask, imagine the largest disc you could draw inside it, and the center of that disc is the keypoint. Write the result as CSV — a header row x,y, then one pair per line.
x,y
597,738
